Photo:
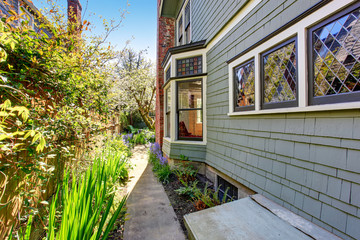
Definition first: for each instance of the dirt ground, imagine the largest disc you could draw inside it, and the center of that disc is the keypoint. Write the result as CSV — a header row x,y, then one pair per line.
x,y
182,205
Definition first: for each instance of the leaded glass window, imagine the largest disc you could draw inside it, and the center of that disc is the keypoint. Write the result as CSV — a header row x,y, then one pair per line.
x,y
280,76
335,59
189,66
245,86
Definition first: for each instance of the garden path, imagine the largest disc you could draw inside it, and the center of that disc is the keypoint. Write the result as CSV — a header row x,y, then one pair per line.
x,y
148,207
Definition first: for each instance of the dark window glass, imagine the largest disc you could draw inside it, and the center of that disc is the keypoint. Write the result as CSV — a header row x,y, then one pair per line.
x,y
244,85
189,99
280,74
180,29
226,187
189,66
335,50
168,74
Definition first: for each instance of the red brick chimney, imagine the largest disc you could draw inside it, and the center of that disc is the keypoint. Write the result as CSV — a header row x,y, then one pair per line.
x,y
74,14
165,40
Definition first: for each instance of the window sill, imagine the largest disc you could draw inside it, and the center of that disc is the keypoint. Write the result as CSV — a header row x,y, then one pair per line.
x,y
167,139
315,108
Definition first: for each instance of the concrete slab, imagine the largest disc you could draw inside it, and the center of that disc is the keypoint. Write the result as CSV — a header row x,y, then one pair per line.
x,y
149,212
296,221
240,220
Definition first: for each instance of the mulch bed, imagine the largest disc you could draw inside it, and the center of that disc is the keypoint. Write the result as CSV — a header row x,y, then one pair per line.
x,y
182,205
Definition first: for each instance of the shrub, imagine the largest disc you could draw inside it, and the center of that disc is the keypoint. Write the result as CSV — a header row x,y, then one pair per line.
x,y
185,172
189,190
138,136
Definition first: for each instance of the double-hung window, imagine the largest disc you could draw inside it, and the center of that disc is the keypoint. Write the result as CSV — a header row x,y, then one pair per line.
x,y
184,24
189,110
334,56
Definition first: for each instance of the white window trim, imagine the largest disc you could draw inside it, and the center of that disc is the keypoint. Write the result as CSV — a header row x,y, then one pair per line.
x,y
173,124
299,30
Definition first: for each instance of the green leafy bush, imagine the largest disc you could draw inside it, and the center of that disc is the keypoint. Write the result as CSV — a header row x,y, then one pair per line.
x,y
138,136
190,190
185,172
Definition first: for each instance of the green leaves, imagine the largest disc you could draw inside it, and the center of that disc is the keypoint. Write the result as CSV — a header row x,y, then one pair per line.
x,y
88,201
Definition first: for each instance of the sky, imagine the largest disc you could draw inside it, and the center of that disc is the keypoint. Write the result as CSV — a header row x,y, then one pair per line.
x,y
139,25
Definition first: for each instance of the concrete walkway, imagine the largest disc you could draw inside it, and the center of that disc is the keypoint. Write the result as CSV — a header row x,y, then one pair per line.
x,y
149,212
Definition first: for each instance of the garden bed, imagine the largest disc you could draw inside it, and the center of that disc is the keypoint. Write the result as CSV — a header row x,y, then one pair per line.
x,y
182,204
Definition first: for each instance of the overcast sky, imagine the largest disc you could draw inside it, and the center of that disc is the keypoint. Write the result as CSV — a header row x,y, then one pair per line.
x,y
139,25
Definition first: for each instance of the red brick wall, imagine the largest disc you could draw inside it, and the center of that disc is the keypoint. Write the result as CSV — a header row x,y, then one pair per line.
x,y
74,12
165,40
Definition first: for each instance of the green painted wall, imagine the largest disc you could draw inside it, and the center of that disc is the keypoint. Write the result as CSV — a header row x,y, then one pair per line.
x,y
195,153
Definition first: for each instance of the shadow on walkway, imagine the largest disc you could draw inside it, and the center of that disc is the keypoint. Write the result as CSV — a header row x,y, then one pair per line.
x,y
149,212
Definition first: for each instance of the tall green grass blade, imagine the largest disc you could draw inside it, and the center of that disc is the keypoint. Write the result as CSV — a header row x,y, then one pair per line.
x,y
113,218
28,228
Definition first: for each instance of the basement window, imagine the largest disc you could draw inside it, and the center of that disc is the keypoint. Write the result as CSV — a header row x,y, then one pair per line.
x,y
223,185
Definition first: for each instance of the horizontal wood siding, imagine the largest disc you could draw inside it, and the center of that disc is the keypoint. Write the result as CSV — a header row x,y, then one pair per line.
x,y
307,162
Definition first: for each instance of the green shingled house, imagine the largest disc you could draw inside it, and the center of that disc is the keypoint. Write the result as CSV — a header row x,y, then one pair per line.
x,y
265,97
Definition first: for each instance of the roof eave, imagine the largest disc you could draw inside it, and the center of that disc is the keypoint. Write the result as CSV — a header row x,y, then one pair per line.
x,y
183,48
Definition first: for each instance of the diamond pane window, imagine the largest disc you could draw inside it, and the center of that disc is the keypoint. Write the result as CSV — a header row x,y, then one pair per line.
x,y
280,76
335,55
245,86
189,66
